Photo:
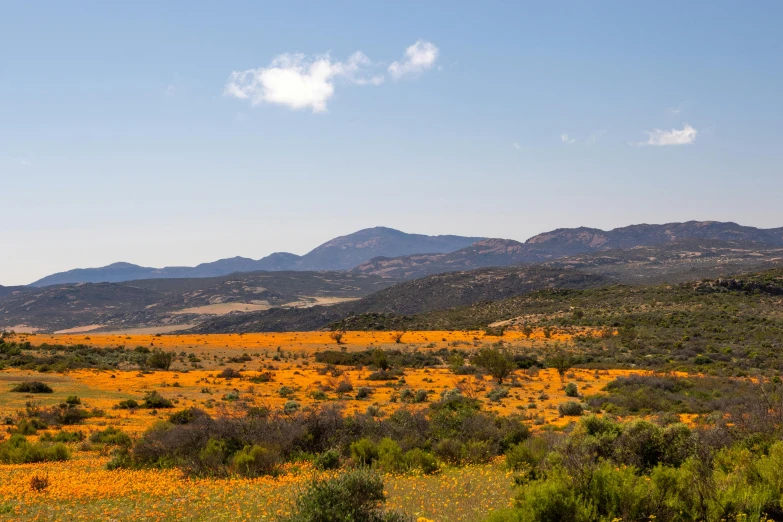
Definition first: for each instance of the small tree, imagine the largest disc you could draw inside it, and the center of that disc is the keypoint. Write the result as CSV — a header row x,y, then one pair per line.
x,y
561,361
337,337
381,361
496,362
398,336
159,359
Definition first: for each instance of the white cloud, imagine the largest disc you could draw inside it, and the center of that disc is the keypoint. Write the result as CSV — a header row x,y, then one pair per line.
x,y
171,90
24,162
659,138
299,82
418,58
515,145
566,139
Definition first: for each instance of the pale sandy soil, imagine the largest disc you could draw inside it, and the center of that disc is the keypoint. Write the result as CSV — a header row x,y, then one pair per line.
x,y
324,301
150,330
223,308
19,328
80,329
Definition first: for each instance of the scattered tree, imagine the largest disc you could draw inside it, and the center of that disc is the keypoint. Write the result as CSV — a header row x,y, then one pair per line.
x,y
496,362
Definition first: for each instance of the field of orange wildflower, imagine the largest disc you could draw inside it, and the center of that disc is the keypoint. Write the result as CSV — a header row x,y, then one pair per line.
x,y
82,488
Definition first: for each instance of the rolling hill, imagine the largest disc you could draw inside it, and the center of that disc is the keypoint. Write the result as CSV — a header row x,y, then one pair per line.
x,y
170,302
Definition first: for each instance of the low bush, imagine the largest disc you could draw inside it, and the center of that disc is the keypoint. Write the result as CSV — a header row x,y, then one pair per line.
x,y
32,387
570,409
111,436
18,450
154,400
355,496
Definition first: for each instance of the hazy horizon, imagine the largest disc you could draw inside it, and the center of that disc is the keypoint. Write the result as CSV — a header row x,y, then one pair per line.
x,y
247,129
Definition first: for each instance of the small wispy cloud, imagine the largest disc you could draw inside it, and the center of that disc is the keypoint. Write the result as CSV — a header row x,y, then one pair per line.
x,y
297,81
515,145
684,106
661,138
565,138
595,136
171,90
24,162
418,58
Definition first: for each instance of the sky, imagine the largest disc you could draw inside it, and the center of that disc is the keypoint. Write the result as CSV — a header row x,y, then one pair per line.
x,y
174,133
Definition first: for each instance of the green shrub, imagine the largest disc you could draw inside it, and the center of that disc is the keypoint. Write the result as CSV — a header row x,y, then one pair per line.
x,y
17,450
73,400
255,460
497,394
356,496
364,451
527,455
63,436
127,404
159,359
363,392
285,391
571,390
570,409
187,416
111,436
154,400
327,460
291,407
554,500
418,459
391,457
32,387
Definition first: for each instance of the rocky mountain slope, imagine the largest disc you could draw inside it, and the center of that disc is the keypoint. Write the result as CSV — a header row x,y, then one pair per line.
x,y
570,242
168,302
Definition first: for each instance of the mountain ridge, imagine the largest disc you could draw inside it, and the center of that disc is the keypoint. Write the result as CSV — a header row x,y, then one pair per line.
x,y
339,253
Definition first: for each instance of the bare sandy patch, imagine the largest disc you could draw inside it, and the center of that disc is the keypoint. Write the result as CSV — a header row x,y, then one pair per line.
x,y
308,301
79,329
223,308
149,330
19,328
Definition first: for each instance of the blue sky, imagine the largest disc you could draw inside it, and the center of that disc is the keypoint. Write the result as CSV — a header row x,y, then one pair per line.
x,y
173,133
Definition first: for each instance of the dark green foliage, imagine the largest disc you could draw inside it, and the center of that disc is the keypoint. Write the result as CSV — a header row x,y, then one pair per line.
x,y
32,387
570,409
63,436
387,358
17,450
255,460
154,400
127,404
329,459
159,359
60,358
496,362
111,436
571,390
186,416
498,394
355,496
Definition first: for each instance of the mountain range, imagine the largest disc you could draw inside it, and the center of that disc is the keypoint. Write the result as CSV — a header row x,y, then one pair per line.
x,y
340,253
465,271
391,253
